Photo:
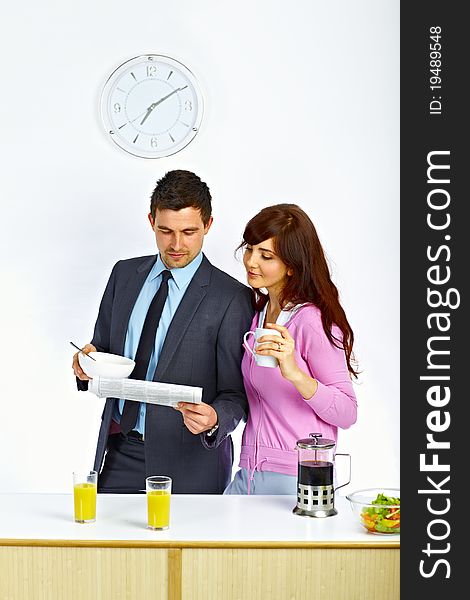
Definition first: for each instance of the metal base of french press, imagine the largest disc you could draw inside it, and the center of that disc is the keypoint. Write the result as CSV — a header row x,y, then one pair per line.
x,y
314,513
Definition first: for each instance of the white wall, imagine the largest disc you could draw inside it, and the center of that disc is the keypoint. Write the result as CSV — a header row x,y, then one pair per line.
x,y
301,105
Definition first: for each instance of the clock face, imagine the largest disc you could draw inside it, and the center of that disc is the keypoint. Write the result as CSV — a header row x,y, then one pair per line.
x,y
151,106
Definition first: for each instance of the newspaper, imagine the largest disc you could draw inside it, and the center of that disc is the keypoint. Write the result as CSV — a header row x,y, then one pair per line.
x,y
153,392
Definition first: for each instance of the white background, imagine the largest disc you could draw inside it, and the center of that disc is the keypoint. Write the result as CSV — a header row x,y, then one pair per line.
x,y
301,105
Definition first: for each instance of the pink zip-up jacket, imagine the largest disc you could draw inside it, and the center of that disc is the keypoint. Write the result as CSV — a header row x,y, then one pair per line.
x,y
278,414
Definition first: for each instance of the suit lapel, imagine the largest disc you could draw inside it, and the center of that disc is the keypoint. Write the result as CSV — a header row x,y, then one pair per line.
x,y
131,292
185,312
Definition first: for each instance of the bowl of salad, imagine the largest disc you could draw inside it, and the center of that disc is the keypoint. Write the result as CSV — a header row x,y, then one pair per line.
x,y
378,509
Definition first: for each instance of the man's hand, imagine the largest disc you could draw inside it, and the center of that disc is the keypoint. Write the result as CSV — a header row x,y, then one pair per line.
x,y
77,369
197,417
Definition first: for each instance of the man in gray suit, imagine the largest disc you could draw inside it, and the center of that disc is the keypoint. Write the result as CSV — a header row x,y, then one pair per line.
x,y
198,343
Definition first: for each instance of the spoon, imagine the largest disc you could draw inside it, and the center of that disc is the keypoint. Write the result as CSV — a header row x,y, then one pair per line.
x,y
81,350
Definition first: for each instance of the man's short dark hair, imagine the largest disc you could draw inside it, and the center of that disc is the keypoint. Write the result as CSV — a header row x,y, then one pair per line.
x,y
181,189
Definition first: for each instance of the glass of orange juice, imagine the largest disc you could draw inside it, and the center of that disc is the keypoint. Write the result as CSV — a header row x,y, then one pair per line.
x,y
158,488
84,496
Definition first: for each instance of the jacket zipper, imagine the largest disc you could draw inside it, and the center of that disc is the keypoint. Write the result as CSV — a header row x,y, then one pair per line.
x,y
260,413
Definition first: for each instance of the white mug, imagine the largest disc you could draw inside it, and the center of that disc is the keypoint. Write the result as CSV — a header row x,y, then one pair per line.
x,y
261,361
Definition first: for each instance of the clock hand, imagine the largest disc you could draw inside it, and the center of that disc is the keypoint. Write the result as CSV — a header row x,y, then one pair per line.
x,y
142,113
152,106
146,112
149,110
168,95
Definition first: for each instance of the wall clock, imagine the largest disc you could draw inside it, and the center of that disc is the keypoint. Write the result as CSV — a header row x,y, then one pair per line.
x,y
151,106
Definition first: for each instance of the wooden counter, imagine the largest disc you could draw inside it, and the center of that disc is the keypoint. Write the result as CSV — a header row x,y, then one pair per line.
x,y
217,547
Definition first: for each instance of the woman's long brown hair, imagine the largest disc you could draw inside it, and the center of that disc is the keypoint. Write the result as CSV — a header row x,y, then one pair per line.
x,y
297,244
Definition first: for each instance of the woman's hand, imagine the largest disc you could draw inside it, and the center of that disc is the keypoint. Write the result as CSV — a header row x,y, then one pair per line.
x,y
283,348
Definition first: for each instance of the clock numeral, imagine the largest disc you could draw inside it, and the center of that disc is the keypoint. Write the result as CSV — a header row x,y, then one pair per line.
x,y
153,142
188,105
117,107
151,71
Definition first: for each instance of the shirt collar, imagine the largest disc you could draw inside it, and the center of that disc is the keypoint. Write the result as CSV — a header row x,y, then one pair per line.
x,y
284,316
181,276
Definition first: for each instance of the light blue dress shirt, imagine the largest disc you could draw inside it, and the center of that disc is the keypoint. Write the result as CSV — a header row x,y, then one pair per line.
x,y
177,286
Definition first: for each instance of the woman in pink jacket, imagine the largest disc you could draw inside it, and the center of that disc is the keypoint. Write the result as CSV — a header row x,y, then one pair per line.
x,y
311,389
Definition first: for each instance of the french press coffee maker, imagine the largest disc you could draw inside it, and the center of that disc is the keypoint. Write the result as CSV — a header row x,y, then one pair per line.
x,y
315,479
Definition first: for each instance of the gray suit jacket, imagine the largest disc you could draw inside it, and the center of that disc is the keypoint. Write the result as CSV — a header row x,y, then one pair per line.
x,y
203,347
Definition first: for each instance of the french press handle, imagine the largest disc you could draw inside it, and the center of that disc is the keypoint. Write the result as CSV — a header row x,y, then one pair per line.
x,y
349,480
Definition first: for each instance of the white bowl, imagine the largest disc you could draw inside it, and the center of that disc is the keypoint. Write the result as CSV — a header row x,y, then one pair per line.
x,y
106,365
